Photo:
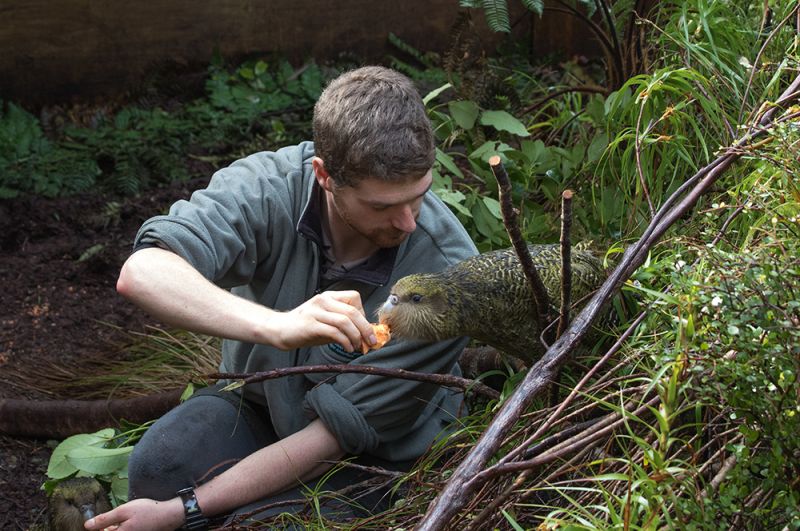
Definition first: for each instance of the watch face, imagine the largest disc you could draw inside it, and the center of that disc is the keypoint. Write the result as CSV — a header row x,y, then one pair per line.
x,y
194,516
190,505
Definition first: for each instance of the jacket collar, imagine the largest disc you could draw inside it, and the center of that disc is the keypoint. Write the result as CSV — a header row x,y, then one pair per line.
x,y
377,270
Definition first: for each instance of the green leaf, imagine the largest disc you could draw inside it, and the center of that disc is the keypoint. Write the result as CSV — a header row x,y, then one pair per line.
x,y
99,461
503,121
511,520
188,392
597,147
611,476
537,6
455,199
494,207
497,15
533,150
49,485
596,110
119,489
464,113
658,295
489,149
233,385
59,466
447,161
91,251
435,92
440,182
487,224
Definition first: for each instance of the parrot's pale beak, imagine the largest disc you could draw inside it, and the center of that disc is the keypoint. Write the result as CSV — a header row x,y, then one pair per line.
x,y
390,304
87,511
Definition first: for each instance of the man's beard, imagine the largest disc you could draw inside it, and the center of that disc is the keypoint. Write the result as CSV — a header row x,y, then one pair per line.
x,y
380,237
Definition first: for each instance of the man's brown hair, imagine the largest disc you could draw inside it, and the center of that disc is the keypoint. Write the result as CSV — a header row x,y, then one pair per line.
x,y
371,122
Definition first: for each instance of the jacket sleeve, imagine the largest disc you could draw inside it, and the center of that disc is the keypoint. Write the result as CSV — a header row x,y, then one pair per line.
x,y
390,417
225,230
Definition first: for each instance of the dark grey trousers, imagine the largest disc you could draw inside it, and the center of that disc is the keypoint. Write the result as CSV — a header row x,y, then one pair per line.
x,y
211,431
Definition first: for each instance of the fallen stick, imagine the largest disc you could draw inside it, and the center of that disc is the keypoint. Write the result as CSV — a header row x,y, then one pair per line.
x,y
446,380
58,419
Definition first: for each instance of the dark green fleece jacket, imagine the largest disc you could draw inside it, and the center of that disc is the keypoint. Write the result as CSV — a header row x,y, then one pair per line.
x,y
256,231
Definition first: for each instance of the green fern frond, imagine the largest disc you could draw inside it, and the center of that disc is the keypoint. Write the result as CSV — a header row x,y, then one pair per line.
x,y
497,15
537,6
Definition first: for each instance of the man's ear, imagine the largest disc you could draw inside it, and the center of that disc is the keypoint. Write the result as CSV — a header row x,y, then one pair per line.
x,y
321,174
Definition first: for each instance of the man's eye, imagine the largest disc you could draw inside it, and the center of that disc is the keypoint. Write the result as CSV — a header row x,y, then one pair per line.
x,y
416,297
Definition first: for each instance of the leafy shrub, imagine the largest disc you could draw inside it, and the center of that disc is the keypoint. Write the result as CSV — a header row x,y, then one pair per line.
x,y
746,351
103,455
31,163
252,108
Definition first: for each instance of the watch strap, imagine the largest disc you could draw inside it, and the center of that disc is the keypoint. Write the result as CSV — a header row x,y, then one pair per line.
x,y
194,517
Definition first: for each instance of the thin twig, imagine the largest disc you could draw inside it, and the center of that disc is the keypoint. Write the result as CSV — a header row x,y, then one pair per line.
x,y
717,480
575,391
520,246
617,49
566,261
446,380
601,428
775,30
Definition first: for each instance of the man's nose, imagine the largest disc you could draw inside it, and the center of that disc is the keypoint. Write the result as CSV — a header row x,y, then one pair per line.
x,y
405,220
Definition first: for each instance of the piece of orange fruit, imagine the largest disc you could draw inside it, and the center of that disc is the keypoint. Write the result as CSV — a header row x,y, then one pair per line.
x,y
382,333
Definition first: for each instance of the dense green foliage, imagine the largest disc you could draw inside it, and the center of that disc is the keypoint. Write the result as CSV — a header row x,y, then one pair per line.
x,y
255,106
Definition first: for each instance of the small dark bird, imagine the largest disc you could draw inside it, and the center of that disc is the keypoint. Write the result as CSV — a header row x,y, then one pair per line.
x,y
488,298
75,501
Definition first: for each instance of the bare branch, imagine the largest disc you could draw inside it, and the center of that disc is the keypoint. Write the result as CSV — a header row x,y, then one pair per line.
x,y
520,246
566,261
446,380
62,418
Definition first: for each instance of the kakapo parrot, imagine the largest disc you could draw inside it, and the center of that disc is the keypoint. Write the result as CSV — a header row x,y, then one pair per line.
x,y
488,298
74,501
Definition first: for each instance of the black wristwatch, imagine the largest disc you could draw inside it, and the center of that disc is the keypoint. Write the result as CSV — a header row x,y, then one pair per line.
x,y
191,510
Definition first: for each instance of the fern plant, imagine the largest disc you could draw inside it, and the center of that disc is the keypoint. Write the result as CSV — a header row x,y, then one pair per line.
x,y
30,163
496,11
252,107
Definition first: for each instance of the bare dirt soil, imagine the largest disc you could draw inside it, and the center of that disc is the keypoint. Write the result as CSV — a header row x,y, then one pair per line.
x,y
59,260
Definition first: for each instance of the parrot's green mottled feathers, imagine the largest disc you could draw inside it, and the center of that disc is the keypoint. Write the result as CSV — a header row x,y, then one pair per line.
x,y
487,297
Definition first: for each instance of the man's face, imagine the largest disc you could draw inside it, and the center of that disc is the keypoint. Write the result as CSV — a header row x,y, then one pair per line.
x,y
383,212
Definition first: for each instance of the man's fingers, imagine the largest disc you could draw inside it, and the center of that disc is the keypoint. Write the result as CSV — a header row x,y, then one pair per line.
x,y
342,329
102,521
347,304
351,297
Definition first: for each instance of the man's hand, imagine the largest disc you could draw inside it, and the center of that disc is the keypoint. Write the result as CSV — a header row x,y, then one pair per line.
x,y
331,316
144,514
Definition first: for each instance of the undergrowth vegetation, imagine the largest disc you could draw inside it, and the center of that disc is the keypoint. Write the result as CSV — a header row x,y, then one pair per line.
x,y
258,105
692,422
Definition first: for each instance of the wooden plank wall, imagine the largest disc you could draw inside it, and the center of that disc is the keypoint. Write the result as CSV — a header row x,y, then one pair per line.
x,y
57,50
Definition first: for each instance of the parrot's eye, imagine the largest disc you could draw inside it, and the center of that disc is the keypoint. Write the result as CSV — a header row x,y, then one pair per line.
x,y
416,297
